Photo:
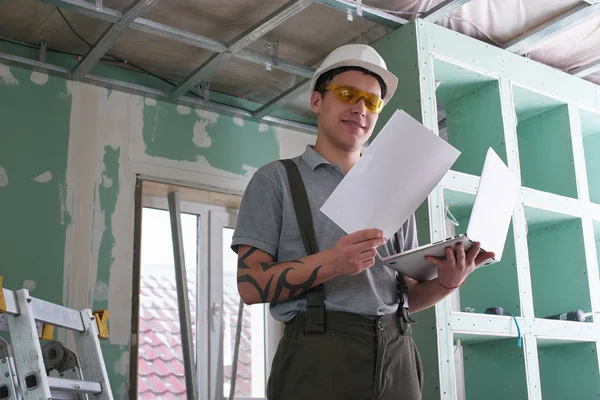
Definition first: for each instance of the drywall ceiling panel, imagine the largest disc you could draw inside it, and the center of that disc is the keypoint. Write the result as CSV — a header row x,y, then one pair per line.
x,y
240,78
217,19
19,19
310,35
164,57
307,38
33,22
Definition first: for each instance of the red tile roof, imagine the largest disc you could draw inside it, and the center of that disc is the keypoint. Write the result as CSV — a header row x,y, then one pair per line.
x,y
160,361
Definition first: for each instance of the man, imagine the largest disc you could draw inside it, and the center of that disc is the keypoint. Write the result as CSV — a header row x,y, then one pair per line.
x,y
361,348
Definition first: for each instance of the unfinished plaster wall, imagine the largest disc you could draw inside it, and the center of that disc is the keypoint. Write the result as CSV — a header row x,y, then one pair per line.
x,y
69,155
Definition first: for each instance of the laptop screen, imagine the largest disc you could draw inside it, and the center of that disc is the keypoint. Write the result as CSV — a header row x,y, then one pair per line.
x,y
494,205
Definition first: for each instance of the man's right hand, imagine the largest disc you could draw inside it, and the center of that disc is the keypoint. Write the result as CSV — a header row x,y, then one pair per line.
x,y
356,252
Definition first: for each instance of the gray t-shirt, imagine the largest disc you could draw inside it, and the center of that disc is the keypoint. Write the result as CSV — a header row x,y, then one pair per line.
x,y
267,221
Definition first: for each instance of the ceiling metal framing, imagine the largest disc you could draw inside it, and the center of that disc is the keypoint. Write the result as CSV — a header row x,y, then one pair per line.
x,y
444,8
557,25
130,18
110,37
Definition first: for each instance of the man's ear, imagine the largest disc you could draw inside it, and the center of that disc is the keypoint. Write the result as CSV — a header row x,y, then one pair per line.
x,y
315,102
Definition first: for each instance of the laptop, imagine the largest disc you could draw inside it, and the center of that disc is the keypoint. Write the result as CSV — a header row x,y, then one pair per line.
x,y
489,223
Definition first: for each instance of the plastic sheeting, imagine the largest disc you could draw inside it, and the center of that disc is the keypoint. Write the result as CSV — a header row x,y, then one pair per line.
x,y
500,21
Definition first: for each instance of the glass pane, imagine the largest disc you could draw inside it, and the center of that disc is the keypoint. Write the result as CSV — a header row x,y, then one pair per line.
x,y
160,360
250,380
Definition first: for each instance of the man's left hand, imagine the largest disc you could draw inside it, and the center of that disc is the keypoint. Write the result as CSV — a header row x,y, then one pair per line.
x,y
454,269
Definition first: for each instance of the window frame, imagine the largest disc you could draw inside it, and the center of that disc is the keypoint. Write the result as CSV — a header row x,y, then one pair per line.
x,y
209,280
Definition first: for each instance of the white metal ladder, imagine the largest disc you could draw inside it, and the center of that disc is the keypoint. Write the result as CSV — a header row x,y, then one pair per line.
x,y
23,370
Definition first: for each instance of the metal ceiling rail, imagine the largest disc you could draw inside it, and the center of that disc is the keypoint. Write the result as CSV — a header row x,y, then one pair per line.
x,y
521,44
283,98
374,11
443,9
147,91
201,73
179,35
110,37
586,69
518,45
269,23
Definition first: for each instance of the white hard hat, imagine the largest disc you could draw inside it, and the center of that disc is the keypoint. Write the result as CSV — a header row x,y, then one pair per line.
x,y
358,55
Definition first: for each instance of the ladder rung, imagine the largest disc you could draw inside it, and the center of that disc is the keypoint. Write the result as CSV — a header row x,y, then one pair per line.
x,y
46,312
74,385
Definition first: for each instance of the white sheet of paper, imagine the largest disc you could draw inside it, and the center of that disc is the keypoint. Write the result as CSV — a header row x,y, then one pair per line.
x,y
394,176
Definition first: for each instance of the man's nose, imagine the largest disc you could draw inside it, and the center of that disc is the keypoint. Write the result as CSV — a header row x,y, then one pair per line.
x,y
360,107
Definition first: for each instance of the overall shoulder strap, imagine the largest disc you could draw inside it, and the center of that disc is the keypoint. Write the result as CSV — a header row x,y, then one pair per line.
x,y
401,287
315,297
301,206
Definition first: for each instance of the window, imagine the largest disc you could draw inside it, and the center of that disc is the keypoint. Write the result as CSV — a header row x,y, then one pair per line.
x,y
250,382
160,358
211,268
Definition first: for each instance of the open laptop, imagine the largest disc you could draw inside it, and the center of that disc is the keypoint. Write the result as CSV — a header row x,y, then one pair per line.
x,y
489,223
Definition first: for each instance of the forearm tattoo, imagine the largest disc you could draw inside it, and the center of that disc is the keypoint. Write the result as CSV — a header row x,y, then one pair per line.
x,y
282,282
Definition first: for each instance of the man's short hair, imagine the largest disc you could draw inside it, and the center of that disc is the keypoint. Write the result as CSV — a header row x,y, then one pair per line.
x,y
324,80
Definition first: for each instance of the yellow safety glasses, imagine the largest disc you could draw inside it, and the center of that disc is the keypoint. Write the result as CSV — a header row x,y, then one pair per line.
x,y
352,95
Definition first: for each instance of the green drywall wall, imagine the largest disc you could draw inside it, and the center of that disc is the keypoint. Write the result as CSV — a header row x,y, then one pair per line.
x,y
474,124
596,225
546,153
425,336
494,285
455,81
116,359
127,75
558,269
569,371
34,139
399,49
465,50
529,104
591,145
590,122
424,331
225,145
495,371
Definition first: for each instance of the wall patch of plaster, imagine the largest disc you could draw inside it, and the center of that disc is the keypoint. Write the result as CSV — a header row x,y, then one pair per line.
x,y
6,76
149,101
262,127
101,291
201,137
106,181
238,120
211,116
122,364
291,141
184,110
99,242
39,78
3,177
119,279
123,394
249,170
29,285
44,177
